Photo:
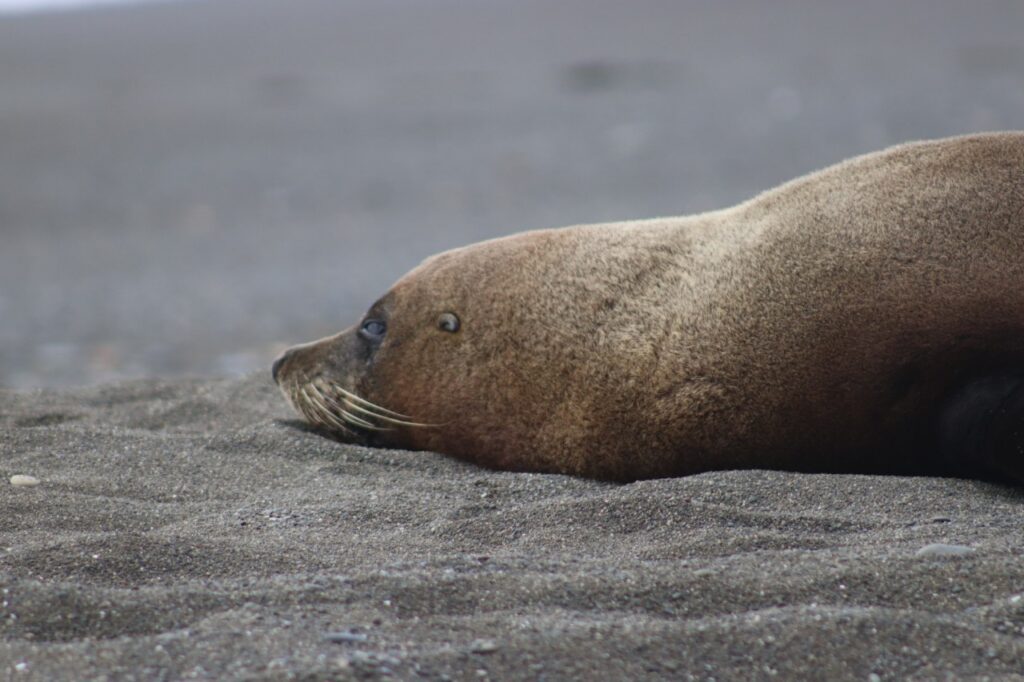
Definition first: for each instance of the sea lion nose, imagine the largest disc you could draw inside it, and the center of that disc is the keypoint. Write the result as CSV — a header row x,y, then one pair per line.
x,y
276,367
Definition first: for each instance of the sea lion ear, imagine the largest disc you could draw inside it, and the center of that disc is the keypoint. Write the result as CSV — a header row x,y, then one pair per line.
x,y
448,322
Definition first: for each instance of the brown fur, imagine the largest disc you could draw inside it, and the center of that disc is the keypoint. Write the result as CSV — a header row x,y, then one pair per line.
x,y
813,327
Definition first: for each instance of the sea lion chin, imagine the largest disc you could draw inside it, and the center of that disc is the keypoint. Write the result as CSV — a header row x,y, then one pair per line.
x,y
867,317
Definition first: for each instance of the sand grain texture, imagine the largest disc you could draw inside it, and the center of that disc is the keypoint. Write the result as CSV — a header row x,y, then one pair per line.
x,y
193,529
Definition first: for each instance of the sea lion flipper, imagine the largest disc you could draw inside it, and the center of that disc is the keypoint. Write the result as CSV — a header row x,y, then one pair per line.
x,y
981,427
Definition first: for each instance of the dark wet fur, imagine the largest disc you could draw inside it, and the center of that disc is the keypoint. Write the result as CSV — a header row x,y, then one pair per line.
x,y
980,429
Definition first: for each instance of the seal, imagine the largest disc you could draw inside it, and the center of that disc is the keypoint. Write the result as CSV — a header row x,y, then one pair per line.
x,y
867,317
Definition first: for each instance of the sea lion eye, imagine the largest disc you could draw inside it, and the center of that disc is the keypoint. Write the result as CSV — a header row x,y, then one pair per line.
x,y
448,322
373,330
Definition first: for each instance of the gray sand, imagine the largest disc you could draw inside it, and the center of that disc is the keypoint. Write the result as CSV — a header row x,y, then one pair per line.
x,y
193,529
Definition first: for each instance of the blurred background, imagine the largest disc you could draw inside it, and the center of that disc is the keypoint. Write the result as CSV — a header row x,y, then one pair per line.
x,y
188,187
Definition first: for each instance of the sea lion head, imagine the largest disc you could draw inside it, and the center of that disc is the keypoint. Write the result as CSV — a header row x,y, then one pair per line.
x,y
518,353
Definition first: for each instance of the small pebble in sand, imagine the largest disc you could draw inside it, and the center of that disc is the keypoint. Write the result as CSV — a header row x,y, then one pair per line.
x,y
938,549
483,646
345,636
23,481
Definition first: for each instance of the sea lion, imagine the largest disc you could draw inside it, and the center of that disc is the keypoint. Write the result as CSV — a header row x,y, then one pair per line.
x,y
867,317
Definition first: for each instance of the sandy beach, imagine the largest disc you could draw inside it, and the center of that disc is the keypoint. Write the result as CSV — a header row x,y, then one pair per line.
x,y
186,188
193,530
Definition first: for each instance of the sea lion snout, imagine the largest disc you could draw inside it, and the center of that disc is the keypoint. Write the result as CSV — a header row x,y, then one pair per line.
x,y
320,380
306,360
275,368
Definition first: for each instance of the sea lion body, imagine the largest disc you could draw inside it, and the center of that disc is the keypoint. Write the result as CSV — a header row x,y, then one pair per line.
x,y
867,317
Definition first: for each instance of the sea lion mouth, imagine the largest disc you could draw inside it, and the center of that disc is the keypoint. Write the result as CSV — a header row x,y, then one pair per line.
x,y
327,405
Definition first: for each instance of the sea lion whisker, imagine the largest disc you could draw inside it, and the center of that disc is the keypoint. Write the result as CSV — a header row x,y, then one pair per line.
x,y
348,416
345,415
348,404
362,401
312,408
302,401
314,398
309,409
357,421
322,415
399,422
329,419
